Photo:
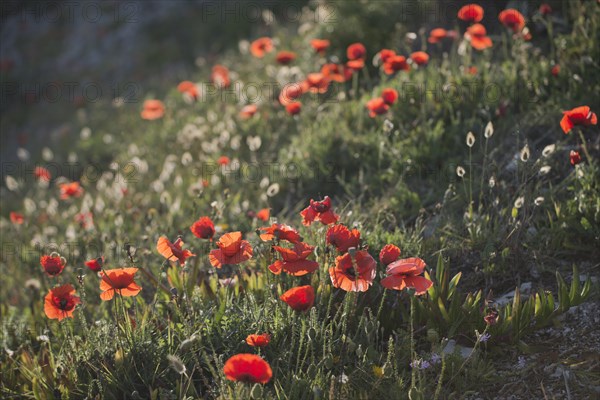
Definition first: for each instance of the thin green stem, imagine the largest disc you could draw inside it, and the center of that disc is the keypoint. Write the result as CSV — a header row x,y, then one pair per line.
x,y
413,374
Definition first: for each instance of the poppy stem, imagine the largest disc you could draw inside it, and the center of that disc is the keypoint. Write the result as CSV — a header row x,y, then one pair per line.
x,y
584,145
483,173
156,283
438,389
381,304
412,341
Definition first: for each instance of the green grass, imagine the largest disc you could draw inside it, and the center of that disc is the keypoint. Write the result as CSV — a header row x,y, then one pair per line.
x,y
396,183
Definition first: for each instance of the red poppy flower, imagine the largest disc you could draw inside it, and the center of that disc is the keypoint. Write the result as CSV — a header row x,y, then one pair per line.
x,y
95,264
575,157
204,228
285,57
342,238
53,265
512,19
300,298
291,92
60,302
280,232
389,254
119,280
437,35
232,250
404,273
394,64
353,272
582,115
294,260
248,368
355,65
68,190
316,83
420,57
545,9
258,340
261,46
385,54
189,88
472,70
389,95
153,109
356,51
320,45
16,218
377,106
477,35
293,108
555,71
223,160
319,211
471,13
42,174
173,251
336,72
248,111
263,214
220,76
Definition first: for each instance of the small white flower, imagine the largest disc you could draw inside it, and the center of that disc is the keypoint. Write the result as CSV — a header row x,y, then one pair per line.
x,y
273,190
492,182
538,201
177,364
264,182
186,158
244,47
29,205
85,133
268,17
254,142
23,154
47,154
343,378
470,139
11,183
545,169
548,150
460,171
525,153
387,126
519,202
489,130
43,338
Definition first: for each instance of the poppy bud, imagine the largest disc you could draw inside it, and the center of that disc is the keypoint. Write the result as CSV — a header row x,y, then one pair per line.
x,y
575,157
491,318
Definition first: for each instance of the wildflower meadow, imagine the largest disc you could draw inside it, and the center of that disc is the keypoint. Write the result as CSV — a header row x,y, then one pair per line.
x,y
309,199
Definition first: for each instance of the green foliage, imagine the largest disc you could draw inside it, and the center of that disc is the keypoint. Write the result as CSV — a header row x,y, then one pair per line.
x,y
392,177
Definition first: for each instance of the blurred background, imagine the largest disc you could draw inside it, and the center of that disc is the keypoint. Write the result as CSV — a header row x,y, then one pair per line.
x,y
56,57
